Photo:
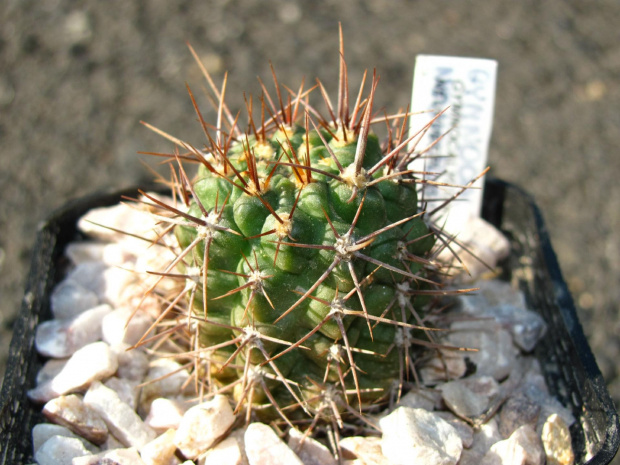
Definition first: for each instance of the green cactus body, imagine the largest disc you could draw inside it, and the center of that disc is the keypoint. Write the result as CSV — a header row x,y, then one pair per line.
x,y
314,255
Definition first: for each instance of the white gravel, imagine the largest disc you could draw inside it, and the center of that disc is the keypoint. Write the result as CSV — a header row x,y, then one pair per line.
x,y
132,407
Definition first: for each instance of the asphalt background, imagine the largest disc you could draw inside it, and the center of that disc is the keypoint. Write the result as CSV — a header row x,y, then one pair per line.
x,y
77,77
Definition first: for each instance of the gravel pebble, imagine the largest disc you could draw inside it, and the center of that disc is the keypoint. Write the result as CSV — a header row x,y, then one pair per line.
x,y
161,450
70,298
128,456
227,452
133,364
418,436
202,424
523,447
309,450
43,431
471,397
557,442
264,447
60,450
61,338
495,356
165,378
126,389
90,363
70,411
125,326
365,450
120,418
165,414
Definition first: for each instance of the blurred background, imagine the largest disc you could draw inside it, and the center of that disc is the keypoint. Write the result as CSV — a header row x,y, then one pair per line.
x,y
77,77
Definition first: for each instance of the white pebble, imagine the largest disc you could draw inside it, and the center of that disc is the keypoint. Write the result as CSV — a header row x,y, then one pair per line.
x,y
116,281
121,419
101,223
365,449
484,247
526,326
202,425
51,339
81,252
418,399
126,389
160,451
111,254
44,431
90,363
485,436
499,300
491,293
463,429
70,298
112,443
471,397
50,369
533,377
443,365
239,435
117,254
108,283
264,447
60,450
61,338
496,355
156,258
227,452
133,364
125,325
70,411
557,441
309,450
165,378
418,436
90,276
523,447
164,414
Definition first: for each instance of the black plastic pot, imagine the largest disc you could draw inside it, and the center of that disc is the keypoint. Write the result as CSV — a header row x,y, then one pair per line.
x,y
566,358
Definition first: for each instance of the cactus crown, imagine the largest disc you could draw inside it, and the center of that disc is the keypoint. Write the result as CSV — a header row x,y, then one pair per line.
x,y
304,261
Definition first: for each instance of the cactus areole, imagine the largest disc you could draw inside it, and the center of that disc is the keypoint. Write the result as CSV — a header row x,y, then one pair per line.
x,y
304,256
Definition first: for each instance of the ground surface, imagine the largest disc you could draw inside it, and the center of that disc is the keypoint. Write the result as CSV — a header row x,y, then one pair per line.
x,y
76,78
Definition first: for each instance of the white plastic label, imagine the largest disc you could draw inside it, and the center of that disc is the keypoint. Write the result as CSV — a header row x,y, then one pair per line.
x,y
467,87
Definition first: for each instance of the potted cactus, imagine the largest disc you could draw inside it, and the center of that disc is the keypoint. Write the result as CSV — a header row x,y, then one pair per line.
x,y
303,257
305,269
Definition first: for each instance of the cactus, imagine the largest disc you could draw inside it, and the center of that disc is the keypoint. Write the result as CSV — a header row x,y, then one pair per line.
x,y
304,256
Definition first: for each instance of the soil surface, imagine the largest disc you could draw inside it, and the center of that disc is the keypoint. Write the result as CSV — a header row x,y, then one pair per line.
x,y
77,77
